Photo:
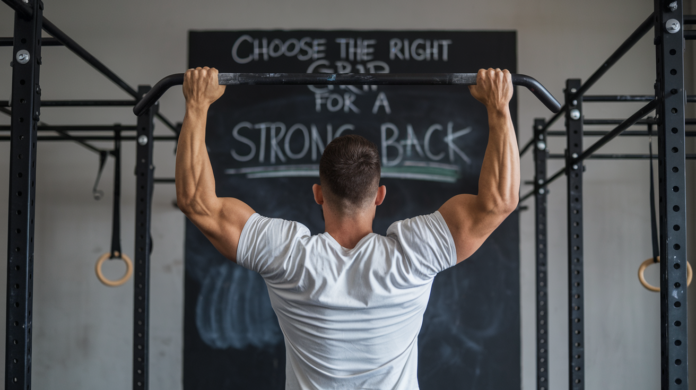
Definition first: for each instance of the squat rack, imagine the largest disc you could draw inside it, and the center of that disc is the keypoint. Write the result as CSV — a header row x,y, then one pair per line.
x,y
25,114
669,103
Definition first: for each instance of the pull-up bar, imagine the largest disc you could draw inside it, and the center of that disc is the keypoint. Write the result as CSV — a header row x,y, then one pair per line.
x,y
346,79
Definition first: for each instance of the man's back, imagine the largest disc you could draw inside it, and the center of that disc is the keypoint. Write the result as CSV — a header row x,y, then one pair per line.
x,y
350,317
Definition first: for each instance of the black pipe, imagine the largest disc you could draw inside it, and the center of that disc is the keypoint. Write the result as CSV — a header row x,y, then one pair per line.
x,y
526,147
87,103
627,98
50,28
627,133
613,59
44,42
346,79
617,157
77,128
688,121
616,56
601,142
68,137
689,34
689,19
620,128
164,180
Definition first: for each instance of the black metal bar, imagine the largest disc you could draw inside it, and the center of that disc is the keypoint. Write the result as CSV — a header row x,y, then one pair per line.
x,y
82,139
141,298
526,147
50,28
87,103
689,19
689,34
627,98
627,133
616,157
576,307
616,56
78,128
620,128
530,83
163,180
26,98
540,210
617,98
688,121
44,42
669,48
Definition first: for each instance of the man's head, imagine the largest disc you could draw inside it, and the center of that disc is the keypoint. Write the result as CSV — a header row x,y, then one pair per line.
x,y
349,172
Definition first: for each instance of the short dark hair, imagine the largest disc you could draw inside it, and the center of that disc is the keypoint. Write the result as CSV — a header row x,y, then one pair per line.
x,y
349,169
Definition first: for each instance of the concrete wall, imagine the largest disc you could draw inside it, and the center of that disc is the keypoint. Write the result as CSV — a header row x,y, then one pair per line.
x,y
82,336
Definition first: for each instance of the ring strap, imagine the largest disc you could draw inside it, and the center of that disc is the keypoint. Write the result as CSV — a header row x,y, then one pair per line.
x,y
116,218
653,217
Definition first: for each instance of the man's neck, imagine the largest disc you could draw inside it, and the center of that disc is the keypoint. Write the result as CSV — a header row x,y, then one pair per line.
x,y
348,230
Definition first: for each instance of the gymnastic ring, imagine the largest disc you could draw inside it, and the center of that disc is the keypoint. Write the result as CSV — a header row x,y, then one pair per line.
x,y
114,283
646,263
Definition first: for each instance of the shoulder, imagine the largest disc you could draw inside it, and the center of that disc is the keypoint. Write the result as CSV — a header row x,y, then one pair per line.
x,y
258,224
421,225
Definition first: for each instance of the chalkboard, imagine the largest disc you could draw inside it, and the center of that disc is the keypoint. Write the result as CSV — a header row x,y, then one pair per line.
x,y
265,143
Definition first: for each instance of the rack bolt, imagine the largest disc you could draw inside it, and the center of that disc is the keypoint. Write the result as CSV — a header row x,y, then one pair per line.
x,y
541,145
673,26
575,155
142,140
575,167
23,57
575,114
541,191
540,181
673,6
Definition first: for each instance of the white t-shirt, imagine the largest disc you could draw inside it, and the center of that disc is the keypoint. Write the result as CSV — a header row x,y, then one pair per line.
x,y
350,317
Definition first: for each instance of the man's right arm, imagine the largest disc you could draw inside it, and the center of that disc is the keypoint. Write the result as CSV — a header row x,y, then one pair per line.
x,y
472,218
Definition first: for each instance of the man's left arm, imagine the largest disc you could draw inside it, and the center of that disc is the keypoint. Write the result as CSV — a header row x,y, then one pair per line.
x,y
220,219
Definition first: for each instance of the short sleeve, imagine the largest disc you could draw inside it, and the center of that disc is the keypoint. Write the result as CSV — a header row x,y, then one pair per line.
x,y
270,246
427,243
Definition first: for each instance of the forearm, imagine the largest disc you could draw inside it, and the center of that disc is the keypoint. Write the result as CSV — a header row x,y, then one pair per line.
x,y
195,182
499,182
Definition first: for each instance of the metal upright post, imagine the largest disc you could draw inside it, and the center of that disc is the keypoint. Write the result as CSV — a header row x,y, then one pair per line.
x,y
26,101
540,155
575,241
144,183
669,43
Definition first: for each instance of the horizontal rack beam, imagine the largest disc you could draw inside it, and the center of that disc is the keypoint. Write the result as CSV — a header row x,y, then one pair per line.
x,y
689,121
627,133
645,110
616,157
73,46
80,103
639,33
627,98
79,128
163,180
95,138
9,41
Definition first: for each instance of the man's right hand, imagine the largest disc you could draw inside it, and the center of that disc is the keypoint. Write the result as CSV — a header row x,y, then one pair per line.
x,y
493,88
201,87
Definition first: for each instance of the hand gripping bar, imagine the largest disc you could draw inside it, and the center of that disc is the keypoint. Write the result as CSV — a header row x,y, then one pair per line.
x,y
346,79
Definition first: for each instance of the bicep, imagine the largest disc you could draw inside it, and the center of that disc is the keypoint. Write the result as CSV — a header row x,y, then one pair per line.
x,y
222,223
469,223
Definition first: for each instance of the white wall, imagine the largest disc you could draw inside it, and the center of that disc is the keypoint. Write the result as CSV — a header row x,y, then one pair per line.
x,y
82,334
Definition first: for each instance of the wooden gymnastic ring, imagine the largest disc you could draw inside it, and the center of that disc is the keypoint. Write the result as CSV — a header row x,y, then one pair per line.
x,y
646,263
114,283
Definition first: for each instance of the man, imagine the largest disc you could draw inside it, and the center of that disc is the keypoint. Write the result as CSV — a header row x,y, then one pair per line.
x,y
349,302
